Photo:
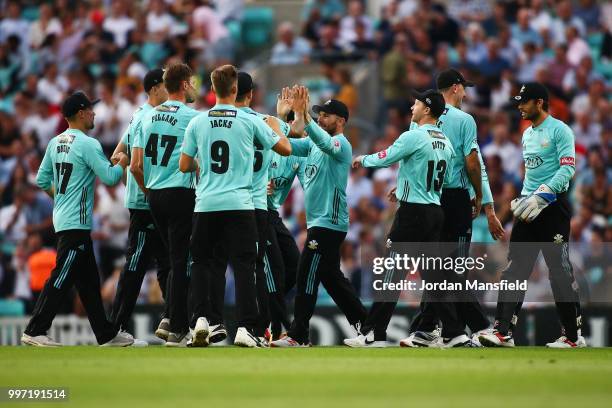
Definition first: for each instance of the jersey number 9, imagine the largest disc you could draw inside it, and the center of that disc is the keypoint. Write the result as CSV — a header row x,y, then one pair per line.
x,y
219,153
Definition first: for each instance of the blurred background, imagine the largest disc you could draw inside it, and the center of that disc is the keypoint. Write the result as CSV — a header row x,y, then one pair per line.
x,y
369,54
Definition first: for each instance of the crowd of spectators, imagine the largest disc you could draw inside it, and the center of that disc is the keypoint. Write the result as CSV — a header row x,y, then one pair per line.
x,y
104,47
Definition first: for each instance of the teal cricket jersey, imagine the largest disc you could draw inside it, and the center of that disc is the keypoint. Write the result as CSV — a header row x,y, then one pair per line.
x,y
261,164
282,171
161,136
424,154
460,128
328,162
550,156
134,197
223,140
70,165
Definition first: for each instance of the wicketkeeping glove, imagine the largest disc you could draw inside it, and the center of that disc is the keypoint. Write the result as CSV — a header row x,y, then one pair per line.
x,y
528,208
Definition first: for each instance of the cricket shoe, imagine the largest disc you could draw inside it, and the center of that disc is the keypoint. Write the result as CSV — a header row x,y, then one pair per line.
x,y
163,330
199,335
367,340
122,339
459,341
179,339
218,333
493,338
244,338
139,343
288,342
564,343
475,336
422,339
39,341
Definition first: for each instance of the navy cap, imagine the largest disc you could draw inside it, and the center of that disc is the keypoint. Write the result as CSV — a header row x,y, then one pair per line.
x,y
152,78
433,100
75,103
245,83
333,106
450,77
531,90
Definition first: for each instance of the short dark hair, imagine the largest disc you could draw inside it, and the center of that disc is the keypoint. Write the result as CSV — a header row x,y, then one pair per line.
x,y
223,78
175,74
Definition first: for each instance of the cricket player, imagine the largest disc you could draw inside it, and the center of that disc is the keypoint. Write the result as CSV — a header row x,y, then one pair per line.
x,y
144,240
466,173
223,141
328,162
68,174
264,280
171,193
542,219
282,253
425,155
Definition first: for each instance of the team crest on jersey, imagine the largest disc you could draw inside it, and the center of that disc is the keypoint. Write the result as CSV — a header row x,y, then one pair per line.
x,y
310,171
222,113
279,182
558,239
167,108
545,143
533,162
382,155
313,244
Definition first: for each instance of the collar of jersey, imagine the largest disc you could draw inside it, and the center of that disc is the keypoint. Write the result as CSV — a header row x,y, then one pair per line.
x,y
75,131
543,124
223,105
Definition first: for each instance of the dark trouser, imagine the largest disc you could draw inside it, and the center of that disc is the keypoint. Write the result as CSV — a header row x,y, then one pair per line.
x,y
217,278
236,231
320,262
144,246
281,262
457,228
172,211
552,225
413,223
75,265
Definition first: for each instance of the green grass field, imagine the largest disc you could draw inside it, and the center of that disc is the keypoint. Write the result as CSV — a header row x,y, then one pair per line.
x,y
316,377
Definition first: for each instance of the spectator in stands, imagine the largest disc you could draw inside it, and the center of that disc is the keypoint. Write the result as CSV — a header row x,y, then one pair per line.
x,y
13,24
328,48
442,28
208,25
289,50
40,263
119,23
493,64
347,92
468,11
502,146
53,86
394,76
563,21
45,25
328,9
348,24
522,32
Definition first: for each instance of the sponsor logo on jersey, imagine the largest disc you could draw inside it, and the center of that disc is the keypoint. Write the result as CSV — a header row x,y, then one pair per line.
x,y
274,164
567,161
222,113
313,244
436,134
533,162
382,155
310,171
558,239
65,138
167,108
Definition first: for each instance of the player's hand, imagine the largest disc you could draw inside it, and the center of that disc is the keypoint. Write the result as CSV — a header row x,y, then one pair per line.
x,y
123,161
114,158
391,195
357,162
270,188
529,208
300,99
476,206
495,227
284,103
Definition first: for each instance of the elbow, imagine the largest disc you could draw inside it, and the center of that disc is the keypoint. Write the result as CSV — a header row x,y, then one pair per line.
x,y
184,168
283,147
185,164
135,168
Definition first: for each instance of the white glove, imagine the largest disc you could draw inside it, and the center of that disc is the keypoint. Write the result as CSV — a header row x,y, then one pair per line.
x,y
528,208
